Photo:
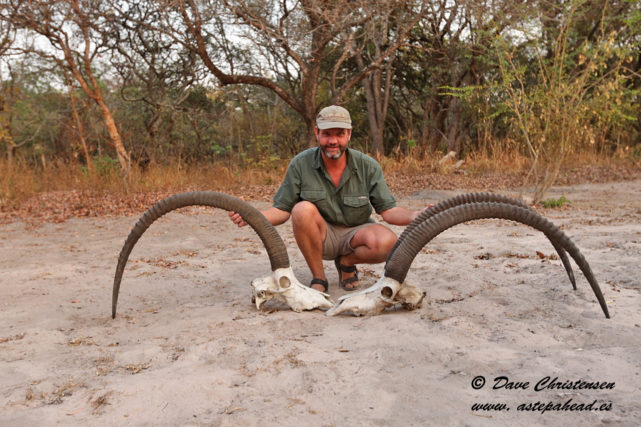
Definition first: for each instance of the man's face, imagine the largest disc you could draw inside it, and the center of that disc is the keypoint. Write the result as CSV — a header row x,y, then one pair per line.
x,y
333,142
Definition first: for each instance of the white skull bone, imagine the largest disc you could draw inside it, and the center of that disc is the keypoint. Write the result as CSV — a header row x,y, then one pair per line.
x,y
283,285
375,299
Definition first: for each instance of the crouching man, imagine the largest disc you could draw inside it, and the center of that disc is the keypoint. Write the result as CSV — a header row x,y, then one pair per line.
x,y
329,192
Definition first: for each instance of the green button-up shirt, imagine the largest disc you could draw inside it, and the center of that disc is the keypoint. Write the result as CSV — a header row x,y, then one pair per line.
x,y
348,204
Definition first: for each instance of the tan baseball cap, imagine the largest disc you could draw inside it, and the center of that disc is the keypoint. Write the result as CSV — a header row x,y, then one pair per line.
x,y
333,117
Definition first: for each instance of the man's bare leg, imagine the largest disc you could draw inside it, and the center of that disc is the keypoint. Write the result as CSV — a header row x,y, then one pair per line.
x,y
371,246
310,230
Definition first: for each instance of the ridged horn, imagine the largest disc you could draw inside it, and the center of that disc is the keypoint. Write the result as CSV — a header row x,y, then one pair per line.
x,y
274,244
398,264
462,199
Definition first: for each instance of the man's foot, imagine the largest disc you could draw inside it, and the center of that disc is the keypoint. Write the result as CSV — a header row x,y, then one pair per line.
x,y
319,284
347,276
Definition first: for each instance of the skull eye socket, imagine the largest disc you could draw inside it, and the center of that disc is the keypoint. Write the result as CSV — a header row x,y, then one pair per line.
x,y
387,292
284,282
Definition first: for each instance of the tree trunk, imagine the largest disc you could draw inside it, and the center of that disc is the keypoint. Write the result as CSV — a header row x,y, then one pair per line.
x,y
309,110
433,123
152,126
375,107
194,124
81,132
10,150
311,134
114,135
376,134
309,91
454,120
5,130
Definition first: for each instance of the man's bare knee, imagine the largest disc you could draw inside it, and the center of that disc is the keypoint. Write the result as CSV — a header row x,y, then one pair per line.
x,y
374,242
383,243
305,211
306,218
386,243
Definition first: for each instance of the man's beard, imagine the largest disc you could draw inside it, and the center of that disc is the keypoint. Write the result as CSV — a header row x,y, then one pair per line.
x,y
334,156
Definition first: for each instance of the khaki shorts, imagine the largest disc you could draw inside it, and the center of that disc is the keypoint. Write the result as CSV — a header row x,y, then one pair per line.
x,y
337,239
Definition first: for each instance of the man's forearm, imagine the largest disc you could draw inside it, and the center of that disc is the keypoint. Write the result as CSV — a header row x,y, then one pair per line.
x,y
275,216
399,215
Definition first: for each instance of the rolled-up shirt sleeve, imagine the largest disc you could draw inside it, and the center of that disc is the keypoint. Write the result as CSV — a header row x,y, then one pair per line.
x,y
289,192
379,194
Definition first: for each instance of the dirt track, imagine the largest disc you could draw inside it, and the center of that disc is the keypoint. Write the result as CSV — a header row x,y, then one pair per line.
x,y
188,348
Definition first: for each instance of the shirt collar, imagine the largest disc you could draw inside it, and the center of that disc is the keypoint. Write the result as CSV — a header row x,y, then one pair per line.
x,y
351,161
318,161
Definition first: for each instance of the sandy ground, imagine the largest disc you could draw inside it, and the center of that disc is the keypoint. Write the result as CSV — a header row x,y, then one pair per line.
x,y
188,347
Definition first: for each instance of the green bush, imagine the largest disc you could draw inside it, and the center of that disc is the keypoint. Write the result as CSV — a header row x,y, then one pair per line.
x,y
555,203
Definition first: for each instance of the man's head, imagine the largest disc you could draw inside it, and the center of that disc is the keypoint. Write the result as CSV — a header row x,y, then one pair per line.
x,y
333,130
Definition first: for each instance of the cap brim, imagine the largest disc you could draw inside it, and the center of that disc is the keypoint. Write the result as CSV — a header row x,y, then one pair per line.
x,y
332,125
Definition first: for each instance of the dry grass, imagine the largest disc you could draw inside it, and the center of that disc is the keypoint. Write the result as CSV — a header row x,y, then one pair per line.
x,y
19,181
513,162
509,161
100,402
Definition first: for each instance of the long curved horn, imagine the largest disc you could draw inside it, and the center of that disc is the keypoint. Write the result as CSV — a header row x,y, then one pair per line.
x,y
274,245
462,199
398,265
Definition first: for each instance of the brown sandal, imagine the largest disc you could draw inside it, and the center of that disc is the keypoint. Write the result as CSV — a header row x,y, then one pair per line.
x,y
317,281
346,269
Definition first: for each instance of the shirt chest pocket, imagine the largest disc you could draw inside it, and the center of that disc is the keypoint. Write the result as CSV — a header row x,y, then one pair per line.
x,y
356,201
357,209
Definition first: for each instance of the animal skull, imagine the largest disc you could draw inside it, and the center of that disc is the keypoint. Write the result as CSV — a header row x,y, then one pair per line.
x,y
283,285
373,300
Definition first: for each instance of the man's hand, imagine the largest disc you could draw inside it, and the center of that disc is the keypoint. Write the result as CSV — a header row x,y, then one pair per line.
x,y
274,216
237,219
417,213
